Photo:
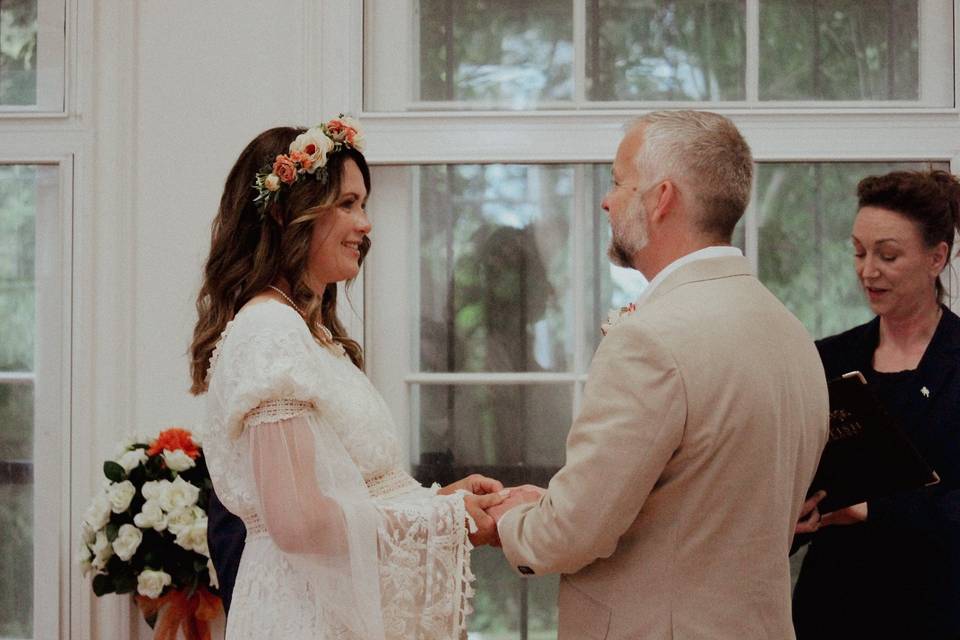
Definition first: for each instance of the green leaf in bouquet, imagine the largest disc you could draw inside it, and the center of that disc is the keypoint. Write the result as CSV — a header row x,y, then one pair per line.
x,y
125,581
114,471
112,530
102,584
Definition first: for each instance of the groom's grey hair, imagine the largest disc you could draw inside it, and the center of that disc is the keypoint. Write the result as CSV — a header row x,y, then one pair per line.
x,y
705,155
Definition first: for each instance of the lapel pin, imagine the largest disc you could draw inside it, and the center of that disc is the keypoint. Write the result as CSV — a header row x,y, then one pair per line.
x,y
925,392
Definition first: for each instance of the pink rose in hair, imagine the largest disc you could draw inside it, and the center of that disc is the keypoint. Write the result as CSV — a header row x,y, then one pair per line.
x,y
285,169
305,160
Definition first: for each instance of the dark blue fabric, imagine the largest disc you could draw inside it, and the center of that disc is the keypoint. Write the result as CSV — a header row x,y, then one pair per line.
x,y
897,575
225,537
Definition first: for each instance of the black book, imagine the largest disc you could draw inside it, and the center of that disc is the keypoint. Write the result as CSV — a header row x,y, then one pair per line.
x,y
867,455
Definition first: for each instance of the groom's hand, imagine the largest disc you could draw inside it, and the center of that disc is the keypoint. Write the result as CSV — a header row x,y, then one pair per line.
x,y
477,507
517,496
473,483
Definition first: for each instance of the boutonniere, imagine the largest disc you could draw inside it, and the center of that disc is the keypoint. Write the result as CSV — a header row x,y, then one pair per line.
x,y
616,315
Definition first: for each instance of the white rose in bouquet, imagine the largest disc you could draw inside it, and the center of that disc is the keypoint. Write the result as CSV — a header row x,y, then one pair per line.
x,y
178,493
98,513
154,489
178,460
128,539
183,518
194,538
214,580
120,495
83,558
151,516
150,583
102,551
132,459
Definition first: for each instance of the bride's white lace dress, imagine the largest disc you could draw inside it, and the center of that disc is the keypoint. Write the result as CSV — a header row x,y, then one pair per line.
x,y
341,542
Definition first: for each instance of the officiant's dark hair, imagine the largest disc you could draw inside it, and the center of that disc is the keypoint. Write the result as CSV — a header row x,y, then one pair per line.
x,y
251,248
929,199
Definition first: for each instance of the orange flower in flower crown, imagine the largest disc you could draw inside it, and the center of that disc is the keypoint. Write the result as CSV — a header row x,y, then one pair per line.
x,y
172,440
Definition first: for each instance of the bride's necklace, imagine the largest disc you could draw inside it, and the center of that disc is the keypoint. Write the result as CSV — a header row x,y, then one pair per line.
x,y
328,336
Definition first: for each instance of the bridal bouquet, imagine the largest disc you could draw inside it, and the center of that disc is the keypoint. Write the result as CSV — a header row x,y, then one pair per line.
x,y
146,532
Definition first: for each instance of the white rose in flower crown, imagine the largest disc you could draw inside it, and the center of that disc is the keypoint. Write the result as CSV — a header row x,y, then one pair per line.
x,y
154,489
98,513
183,518
177,494
120,495
178,460
315,144
102,551
151,516
194,538
272,182
128,539
132,459
150,583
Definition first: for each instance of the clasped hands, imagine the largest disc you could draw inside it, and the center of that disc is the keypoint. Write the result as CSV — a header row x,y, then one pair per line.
x,y
486,501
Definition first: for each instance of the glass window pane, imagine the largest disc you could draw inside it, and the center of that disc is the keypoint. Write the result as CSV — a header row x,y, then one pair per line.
x,y
805,216
516,432
679,50
608,286
494,267
497,52
20,192
18,52
839,50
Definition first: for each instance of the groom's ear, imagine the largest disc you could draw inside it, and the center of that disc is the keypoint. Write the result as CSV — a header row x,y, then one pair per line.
x,y
665,197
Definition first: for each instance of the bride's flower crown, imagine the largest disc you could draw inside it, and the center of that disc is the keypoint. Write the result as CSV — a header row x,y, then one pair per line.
x,y
307,156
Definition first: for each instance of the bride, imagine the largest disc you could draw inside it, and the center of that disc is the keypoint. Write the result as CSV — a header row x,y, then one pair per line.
x,y
341,542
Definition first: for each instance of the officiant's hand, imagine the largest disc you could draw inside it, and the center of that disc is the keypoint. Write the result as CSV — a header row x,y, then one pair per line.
x,y
473,483
810,517
477,507
848,515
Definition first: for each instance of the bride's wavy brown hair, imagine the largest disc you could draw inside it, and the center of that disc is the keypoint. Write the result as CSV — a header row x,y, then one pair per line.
x,y
248,251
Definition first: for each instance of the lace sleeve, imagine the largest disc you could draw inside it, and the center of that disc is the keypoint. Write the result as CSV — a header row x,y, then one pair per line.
x,y
425,565
316,509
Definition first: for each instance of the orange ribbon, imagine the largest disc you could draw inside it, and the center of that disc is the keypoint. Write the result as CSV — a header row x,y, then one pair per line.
x,y
176,611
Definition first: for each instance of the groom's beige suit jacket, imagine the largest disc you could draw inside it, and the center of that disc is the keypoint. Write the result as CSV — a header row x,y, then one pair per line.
x,y
704,416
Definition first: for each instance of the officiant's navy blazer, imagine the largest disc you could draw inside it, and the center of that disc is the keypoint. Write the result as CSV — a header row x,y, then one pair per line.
x,y
903,563
225,537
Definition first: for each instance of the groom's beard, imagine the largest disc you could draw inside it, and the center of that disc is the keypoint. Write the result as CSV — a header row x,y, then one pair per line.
x,y
632,236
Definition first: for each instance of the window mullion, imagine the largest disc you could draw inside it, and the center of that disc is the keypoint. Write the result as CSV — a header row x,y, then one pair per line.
x,y
579,53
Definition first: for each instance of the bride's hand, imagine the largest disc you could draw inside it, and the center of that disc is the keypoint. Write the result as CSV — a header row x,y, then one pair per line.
x,y
486,532
474,483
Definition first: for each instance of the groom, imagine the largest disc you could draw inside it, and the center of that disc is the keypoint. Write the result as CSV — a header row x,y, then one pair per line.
x,y
703,419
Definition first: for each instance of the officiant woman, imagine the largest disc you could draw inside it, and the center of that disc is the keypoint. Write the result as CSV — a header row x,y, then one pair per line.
x,y
890,568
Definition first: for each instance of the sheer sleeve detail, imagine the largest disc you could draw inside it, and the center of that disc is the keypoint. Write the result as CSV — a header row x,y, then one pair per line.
x,y
276,410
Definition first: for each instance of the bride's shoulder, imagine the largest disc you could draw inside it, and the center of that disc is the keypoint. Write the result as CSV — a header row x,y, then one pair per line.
x,y
265,314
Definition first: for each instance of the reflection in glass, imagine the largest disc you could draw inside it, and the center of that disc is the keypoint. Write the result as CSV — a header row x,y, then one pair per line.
x,y
805,216
502,52
519,429
19,186
839,50
18,52
608,286
494,267
677,50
